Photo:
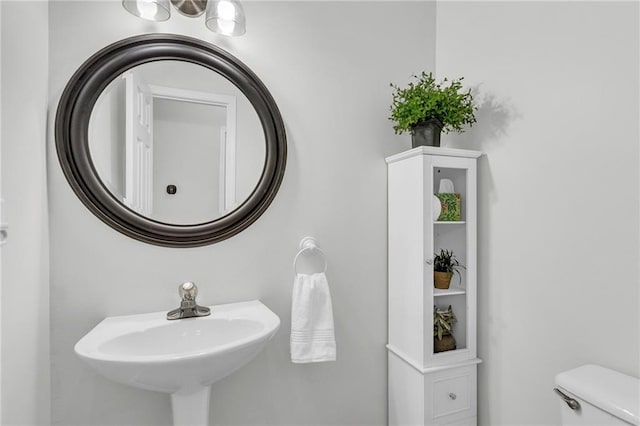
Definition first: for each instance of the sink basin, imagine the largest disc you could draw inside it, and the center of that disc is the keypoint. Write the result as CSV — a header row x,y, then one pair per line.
x,y
181,357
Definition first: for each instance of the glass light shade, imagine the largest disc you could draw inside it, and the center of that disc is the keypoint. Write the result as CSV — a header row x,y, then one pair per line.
x,y
226,17
151,10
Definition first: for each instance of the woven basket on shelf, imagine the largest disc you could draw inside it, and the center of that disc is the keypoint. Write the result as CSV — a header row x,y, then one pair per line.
x,y
442,280
447,343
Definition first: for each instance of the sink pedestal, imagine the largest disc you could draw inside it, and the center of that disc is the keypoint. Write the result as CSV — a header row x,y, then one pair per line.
x,y
191,407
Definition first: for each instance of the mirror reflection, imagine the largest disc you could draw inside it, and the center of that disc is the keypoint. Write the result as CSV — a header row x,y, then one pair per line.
x,y
176,142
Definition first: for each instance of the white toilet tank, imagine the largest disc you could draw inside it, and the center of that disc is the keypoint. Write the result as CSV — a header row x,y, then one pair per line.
x,y
605,397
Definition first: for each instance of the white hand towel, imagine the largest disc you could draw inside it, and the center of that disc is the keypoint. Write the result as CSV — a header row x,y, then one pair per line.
x,y
312,333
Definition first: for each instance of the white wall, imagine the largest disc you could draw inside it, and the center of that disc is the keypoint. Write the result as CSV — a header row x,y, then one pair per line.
x,y
25,286
107,133
558,285
328,66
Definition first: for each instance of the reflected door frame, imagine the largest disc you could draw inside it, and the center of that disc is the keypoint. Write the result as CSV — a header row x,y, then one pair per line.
x,y
138,194
227,135
227,167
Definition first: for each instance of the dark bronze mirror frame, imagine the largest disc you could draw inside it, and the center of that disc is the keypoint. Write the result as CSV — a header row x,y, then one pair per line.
x,y
72,144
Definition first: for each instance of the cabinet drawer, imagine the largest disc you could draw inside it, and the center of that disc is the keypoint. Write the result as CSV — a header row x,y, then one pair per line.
x,y
470,421
452,394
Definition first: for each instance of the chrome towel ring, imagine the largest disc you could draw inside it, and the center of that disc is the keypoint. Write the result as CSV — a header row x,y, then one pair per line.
x,y
308,247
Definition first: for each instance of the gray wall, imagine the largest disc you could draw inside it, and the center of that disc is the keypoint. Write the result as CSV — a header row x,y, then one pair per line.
x,y
25,284
328,66
559,187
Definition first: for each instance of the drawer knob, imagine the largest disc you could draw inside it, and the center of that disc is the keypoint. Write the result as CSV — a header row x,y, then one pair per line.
x,y
452,395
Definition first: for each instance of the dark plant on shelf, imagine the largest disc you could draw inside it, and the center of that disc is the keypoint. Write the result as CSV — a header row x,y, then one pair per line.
x,y
446,262
443,322
426,99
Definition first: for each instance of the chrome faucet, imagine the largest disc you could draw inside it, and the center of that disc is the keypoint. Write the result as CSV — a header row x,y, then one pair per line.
x,y
188,306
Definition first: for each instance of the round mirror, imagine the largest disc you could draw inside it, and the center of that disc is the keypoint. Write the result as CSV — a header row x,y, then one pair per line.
x,y
170,140
176,142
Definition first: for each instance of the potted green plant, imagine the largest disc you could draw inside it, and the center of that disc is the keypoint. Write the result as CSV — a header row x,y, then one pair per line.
x,y
445,265
443,339
425,108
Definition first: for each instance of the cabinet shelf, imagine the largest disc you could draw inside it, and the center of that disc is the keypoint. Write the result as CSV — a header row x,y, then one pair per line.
x,y
449,222
452,291
445,354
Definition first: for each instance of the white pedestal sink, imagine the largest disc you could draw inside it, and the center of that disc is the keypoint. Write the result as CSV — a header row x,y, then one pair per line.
x,y
181,357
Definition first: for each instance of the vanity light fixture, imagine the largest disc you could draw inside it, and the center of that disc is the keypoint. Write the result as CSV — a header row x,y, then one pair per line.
x,y
151,10
224,17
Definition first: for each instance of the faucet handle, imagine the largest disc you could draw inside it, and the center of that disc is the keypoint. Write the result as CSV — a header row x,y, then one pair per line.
x,y
188,291
188,306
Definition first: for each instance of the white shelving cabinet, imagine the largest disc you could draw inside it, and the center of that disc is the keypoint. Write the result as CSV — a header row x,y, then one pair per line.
x,y
427,388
